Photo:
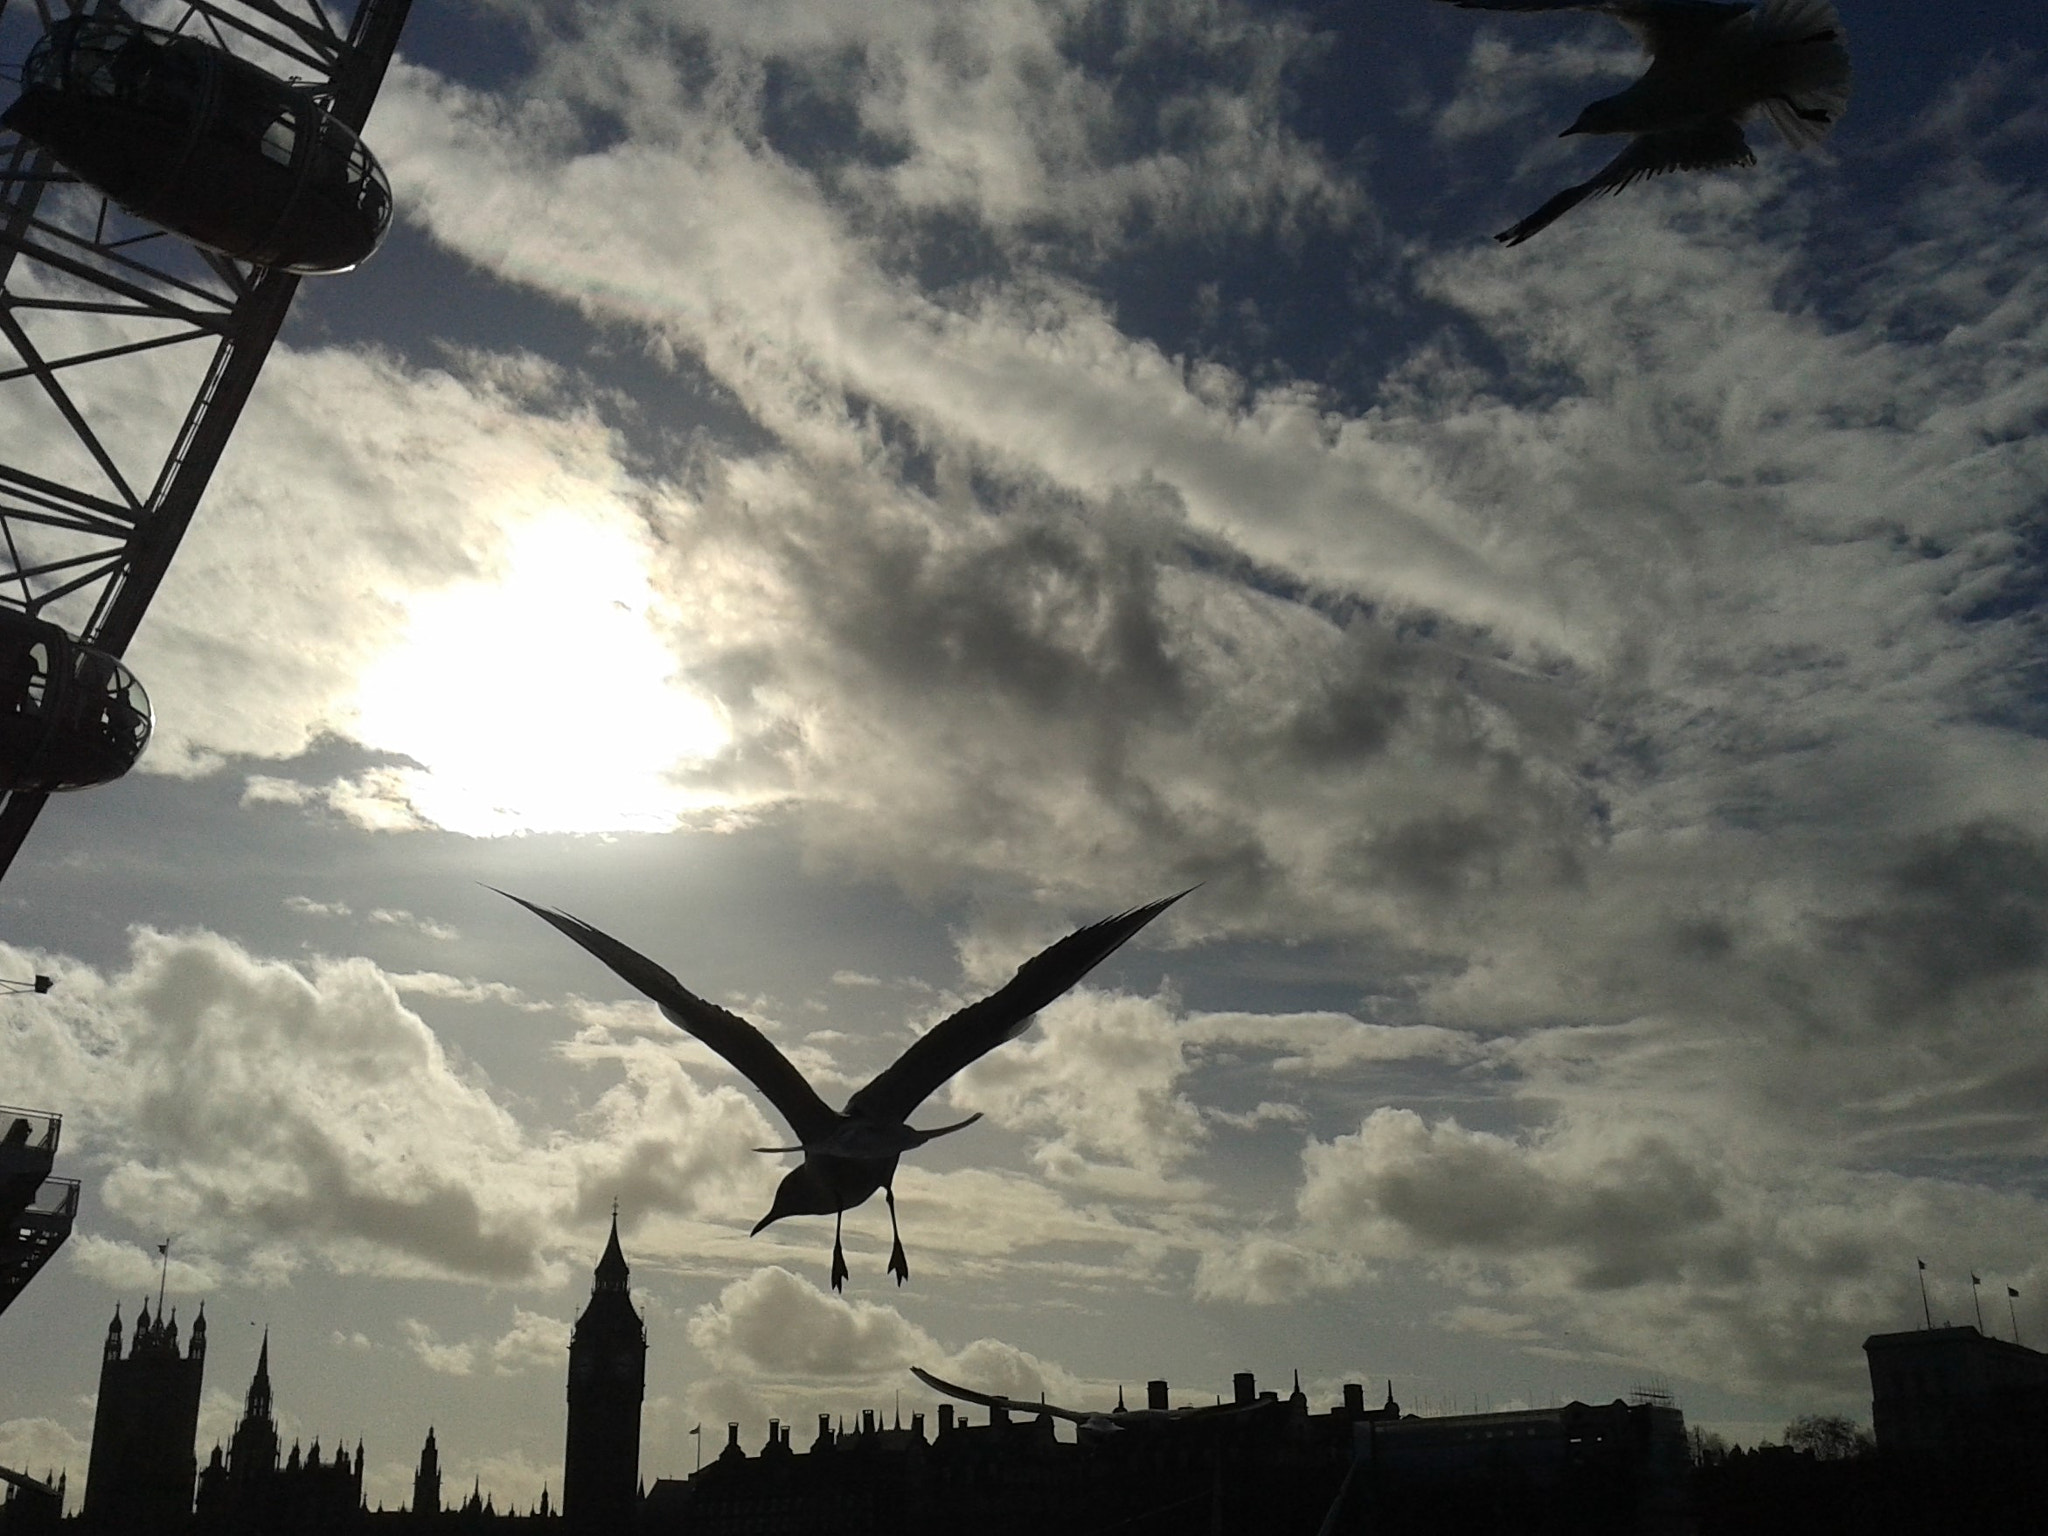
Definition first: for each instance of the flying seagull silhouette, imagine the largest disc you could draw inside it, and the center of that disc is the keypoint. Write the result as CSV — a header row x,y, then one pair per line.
x,y
851,1153
1711,65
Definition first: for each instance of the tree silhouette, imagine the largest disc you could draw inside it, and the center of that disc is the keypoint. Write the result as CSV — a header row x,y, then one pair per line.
x,y
1829,1437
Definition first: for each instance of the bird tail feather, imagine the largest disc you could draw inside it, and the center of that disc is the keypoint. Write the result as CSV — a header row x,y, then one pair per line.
x,y
1804,56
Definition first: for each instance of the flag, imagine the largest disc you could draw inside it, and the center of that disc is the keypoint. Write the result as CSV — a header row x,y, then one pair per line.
x,y
2015,1295
698,1430
1921,1262
1974,1280
164,1248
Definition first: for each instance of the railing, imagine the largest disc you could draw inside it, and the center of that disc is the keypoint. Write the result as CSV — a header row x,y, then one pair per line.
x,y
55,1202
36,1128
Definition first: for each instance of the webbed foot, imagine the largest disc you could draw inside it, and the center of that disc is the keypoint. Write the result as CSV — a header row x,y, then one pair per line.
x,y
839,1269
899,1266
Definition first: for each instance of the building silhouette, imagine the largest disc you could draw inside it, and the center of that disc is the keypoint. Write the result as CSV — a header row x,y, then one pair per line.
x,y
607,1380
426,1482
1956,1394
140,1475
246,1492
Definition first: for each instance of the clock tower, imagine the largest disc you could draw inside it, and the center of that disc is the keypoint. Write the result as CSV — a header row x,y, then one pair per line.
x,y
607,1379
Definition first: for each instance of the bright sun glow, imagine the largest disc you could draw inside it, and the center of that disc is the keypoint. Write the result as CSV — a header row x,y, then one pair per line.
x,y
543,701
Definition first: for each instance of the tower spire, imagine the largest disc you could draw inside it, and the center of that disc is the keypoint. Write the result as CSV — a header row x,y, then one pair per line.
x,y
612,1273
258,1402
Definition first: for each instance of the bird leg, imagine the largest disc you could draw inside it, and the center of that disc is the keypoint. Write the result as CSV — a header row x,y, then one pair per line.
x,y
899,1266
839,1270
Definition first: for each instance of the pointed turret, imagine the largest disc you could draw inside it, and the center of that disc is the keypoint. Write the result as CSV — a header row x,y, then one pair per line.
x,y
426,1482
611,1273
257,1404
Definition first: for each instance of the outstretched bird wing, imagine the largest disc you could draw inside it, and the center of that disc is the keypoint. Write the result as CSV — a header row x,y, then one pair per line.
x,y
990,1400
750,1052
1704,147
980,1027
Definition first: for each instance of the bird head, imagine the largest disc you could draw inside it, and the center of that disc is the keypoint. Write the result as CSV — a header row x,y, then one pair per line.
x,y
802,1192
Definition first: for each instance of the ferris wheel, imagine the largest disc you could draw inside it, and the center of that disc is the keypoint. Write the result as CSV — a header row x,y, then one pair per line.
x,y
164,185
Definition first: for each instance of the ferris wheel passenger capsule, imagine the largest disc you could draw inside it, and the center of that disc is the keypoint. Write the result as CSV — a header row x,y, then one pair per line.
x,y
208,145
70,715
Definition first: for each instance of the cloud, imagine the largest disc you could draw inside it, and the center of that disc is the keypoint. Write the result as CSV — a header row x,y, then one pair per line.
x,y
1502,83
306,906
1266,1271
398,917
1263,1113
245,1102
777,1324
133,1270
1321,1045
534,1341
773,1324
42,1446
1402,1184
1102,1074
442,1359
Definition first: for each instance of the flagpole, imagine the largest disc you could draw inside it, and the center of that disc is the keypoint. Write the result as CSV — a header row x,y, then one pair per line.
x,y
1975,1301
1925,1311
2010,1294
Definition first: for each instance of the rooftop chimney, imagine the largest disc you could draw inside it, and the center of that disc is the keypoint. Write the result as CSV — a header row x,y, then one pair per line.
x,y
945,1418
1354,1399
1155,1396
1243,1388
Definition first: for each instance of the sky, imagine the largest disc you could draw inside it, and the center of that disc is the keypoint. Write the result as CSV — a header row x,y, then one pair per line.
x,y
838,496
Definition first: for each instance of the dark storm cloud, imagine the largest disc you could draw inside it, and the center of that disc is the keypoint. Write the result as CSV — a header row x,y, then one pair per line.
x,y
1964,912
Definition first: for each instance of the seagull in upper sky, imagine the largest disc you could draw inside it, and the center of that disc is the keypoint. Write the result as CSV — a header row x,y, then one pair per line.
x,y
851,1153
1711,65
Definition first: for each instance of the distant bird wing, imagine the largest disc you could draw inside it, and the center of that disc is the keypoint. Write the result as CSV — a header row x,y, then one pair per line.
x,y
979,1028
989,1400
750,1052
1702,147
